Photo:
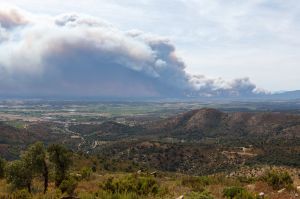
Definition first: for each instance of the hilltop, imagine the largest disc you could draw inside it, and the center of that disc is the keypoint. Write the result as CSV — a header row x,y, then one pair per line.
x,y
214,123
199,141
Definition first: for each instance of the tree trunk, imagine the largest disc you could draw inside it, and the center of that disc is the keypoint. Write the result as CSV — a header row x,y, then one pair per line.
x,y
29,187
45,175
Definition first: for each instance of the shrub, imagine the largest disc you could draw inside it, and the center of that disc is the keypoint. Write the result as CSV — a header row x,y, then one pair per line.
x,y
237,193
231,192
109,195
86,173
68,186
196,183
131,184
21,194
200,195
278,180
247,180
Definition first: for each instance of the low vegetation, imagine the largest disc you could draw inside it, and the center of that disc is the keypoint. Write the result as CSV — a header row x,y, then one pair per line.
x,y
196,183
238,193
55,172
134,184
278,179
49,173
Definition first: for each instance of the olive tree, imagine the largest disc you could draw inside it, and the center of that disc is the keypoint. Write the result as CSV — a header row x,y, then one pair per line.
x,y
19,175
61,158
35,159
32,163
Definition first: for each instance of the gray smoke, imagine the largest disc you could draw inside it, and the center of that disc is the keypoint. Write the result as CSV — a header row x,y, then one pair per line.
x,y
79,55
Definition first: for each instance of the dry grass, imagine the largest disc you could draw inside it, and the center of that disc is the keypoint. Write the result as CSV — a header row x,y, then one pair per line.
x,y
170,182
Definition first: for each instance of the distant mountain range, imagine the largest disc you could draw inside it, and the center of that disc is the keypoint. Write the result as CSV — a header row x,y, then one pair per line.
x,y
251,96
219,96
287,95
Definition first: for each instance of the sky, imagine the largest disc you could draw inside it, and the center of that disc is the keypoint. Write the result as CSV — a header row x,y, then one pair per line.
x,y
222,42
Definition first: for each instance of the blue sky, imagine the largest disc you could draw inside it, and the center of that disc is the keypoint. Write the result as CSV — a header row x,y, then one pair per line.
x,y
230,39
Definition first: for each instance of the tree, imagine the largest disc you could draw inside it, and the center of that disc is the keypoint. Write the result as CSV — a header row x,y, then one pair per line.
x,y
19,175
21,172
61,158
35,159
2,166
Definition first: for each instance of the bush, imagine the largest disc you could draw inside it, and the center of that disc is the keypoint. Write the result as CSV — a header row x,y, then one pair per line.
x,y
247,180
196,183
200,195
278,180
231,192
21,194
86,173
68,186
108,195
131,184
237,193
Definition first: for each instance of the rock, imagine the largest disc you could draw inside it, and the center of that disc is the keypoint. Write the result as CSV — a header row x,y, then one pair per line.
x,y
180,197
281,190
261,195
154,173
251,187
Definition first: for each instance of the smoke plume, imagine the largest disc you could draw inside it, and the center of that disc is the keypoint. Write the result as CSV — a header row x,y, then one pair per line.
x,y
79,55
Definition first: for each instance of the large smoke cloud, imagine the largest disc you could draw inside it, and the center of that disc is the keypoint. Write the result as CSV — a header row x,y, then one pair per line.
x,y
78,55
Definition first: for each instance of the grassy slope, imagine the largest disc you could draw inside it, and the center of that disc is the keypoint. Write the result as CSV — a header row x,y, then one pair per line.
x,y
171,185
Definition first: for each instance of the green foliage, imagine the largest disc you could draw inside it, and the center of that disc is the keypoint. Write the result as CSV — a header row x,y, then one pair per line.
x,y
237,193
2,167
246,195
68,186
245,179
19,175
231,192
61,158
139,185
35,157
21,194
200,195
86,173
35,160
196,183
278,180
109,195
